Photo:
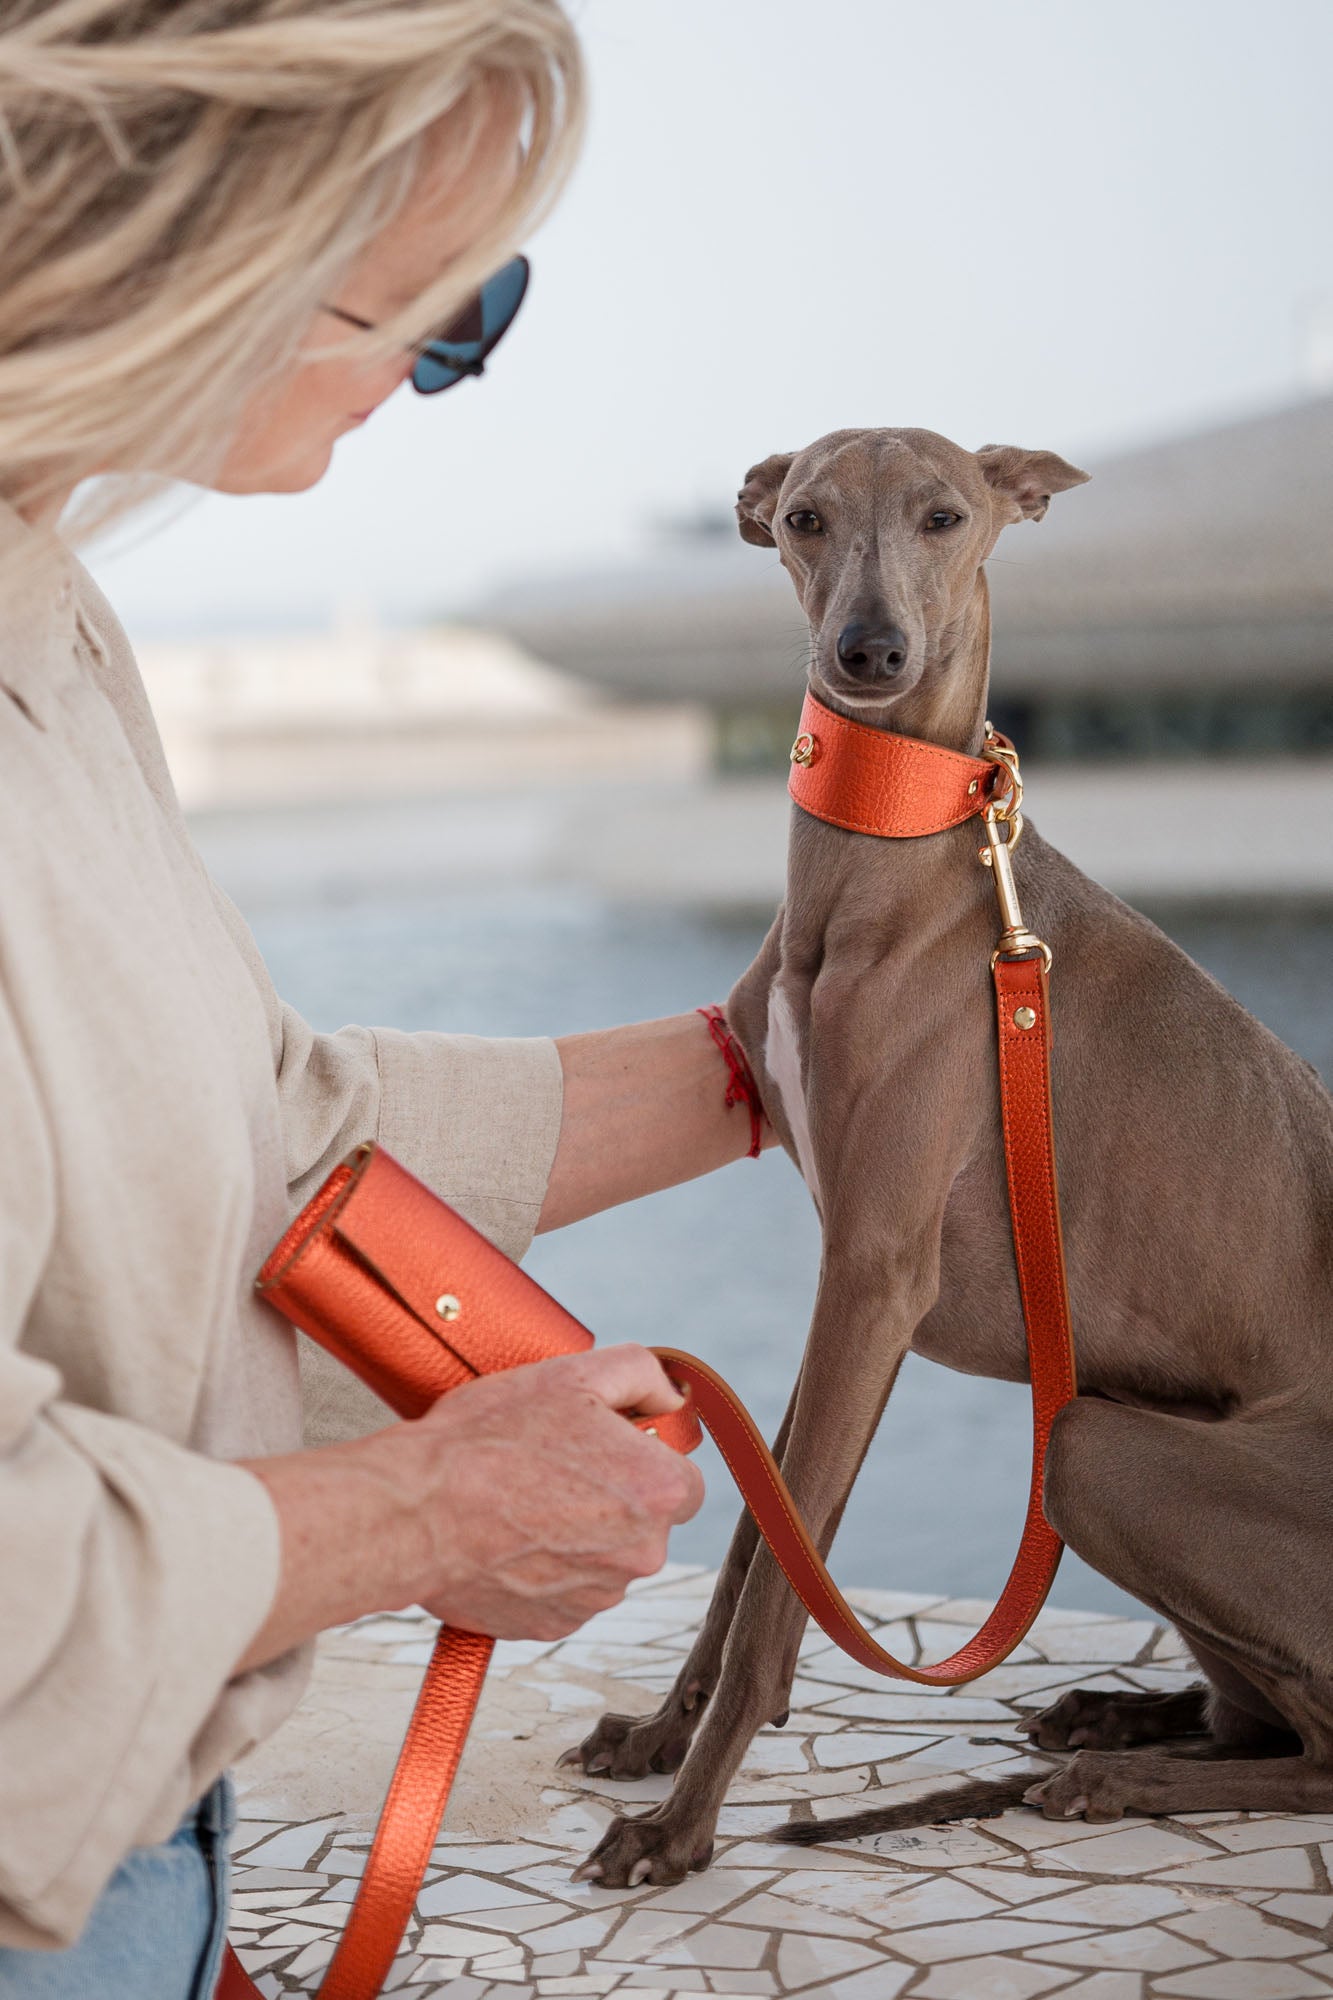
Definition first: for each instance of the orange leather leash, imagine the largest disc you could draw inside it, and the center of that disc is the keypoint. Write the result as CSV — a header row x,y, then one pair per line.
x,y
866,781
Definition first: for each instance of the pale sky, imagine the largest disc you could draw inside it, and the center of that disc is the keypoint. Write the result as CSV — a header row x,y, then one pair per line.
x,y
1045,222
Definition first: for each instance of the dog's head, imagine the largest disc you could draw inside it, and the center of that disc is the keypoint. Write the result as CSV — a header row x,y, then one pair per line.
x,y
884,532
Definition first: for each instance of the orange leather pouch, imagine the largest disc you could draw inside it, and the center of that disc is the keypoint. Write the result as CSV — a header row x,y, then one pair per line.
x,y
403,1290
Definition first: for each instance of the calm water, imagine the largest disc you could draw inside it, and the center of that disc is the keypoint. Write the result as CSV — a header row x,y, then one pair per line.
x,y
727,1266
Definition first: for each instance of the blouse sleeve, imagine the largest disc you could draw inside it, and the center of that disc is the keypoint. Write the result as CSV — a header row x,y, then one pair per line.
x,y
475,1117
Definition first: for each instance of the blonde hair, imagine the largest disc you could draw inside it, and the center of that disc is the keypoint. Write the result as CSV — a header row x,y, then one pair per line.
x,y
183,181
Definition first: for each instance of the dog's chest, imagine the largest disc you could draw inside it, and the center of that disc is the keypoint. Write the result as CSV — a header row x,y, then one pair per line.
x,y
783,1059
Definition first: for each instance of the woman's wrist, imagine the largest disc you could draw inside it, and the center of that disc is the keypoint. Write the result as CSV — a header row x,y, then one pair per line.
x,y
352,1539
645,1107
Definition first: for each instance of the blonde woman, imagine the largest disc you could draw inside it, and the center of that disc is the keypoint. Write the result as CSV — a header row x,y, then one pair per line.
x,y
226,229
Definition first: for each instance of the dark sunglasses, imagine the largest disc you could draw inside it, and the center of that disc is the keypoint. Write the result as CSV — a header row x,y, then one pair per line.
x,y
468,341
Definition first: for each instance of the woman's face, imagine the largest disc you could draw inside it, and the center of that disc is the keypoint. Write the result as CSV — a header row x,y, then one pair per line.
x,y
286,436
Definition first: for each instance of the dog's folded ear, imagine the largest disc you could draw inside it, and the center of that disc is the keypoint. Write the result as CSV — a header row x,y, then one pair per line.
x,y
1027,479
758,498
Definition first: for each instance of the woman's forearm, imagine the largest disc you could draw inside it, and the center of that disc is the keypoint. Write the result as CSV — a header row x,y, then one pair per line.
x,y
644,1108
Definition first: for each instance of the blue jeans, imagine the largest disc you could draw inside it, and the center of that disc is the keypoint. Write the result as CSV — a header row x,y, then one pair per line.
x,y
157,1930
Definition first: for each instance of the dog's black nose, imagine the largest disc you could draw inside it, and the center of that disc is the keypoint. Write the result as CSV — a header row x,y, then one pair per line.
x,y
872,652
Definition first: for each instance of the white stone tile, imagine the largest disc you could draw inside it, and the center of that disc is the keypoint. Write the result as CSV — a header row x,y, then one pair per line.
x,y
1252,1832
775,1753
861,1746
570,1698
293,1934
943,1900
256,1879
1316,1911
878,1982
580,1983
1105,1986
1274,1868
988,1979
1132,1849
1240,1932
931,1847
1110,1903
1111,1639
293,1847
453,1941
499,1859
270,1899
1245,1980
310,1961
803,1958
1147,1948
776,1912
461,1894
917,1708
645,1932
556,1964
852,1860
722,1944
884,1605
1002,1880
711,1890
981,1936
585,1931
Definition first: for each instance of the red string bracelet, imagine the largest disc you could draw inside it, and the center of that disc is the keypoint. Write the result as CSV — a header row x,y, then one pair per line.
x,y
741,1086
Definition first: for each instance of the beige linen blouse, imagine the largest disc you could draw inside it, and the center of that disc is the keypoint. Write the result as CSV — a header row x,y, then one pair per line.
x,y
163,1116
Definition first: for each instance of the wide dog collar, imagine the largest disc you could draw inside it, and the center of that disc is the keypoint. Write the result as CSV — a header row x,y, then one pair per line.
x,y
871,781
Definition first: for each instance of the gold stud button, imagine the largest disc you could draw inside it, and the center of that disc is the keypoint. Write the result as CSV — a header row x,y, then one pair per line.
x,y
971,790
803,749
447,1306
1024,1017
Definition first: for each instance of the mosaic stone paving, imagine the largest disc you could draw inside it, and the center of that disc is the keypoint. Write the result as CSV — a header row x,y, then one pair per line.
x,y
1215,1905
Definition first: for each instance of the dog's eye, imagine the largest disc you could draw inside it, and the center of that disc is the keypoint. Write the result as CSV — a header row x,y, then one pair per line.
x,y
805,522
942,518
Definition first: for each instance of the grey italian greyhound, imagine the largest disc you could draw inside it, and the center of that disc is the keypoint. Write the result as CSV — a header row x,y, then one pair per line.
x,y
1195,1156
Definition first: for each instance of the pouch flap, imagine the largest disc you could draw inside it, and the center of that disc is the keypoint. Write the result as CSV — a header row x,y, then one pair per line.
x,y
449,1276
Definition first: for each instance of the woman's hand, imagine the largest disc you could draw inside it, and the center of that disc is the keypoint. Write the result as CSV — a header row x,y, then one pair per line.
x,y
519,1505
563,1502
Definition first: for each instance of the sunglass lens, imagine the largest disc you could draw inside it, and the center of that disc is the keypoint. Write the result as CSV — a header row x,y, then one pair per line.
x,y
468,340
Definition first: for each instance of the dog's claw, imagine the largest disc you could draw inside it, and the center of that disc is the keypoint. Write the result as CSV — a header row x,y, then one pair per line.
x,y
570,1760
587,1871
640,1872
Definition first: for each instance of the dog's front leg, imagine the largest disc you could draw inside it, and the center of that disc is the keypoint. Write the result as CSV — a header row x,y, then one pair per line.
x,y
630,1746
865,1314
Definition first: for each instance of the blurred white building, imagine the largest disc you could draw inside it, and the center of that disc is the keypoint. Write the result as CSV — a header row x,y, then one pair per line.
x,y
361,713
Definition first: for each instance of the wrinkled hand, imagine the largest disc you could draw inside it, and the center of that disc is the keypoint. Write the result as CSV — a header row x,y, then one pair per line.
x,y
537,1502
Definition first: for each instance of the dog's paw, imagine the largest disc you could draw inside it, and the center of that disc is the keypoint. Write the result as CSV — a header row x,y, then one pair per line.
x,y
633,1746
647,1849
1093,1786
1106,1719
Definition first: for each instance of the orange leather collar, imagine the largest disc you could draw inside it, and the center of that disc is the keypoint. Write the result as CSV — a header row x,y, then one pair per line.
x,y
871,781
